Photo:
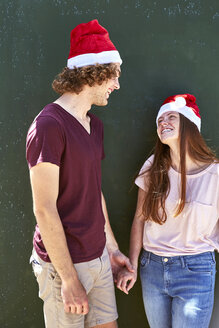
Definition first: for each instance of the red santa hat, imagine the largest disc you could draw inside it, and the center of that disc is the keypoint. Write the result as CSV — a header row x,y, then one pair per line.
x,y
90,44
184,104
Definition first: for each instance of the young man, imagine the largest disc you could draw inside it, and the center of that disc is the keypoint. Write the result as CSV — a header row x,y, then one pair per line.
x,y
73,240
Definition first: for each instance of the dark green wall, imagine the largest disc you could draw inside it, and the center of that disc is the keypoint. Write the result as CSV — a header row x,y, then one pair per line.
x,y
167,47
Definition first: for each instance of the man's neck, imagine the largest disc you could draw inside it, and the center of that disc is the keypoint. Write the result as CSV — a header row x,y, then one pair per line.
x,y
76,105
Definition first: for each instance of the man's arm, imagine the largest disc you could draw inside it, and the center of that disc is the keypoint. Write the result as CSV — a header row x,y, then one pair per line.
x,y
45,185
117,259
126,280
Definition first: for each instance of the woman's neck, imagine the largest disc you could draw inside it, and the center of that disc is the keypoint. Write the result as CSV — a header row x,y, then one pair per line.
x,y
192,167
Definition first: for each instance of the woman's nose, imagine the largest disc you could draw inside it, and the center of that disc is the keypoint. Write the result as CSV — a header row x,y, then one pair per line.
x,y
164,122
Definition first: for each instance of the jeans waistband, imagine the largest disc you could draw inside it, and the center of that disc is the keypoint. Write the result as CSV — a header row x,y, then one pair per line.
x,y
202,257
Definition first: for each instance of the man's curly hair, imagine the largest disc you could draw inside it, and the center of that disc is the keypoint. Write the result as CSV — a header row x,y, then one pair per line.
x,y
73,80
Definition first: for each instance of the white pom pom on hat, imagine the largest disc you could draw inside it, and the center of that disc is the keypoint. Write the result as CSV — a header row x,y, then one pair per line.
x,y
184,104
90,44
180,102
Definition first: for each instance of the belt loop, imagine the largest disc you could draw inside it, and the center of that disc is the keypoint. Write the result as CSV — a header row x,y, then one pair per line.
x,y
213,256
182,261
149,257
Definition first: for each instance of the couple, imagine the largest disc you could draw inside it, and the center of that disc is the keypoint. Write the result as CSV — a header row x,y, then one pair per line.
x,y
75,251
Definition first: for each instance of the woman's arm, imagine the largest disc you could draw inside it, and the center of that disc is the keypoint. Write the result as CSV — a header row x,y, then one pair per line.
x,y
136,238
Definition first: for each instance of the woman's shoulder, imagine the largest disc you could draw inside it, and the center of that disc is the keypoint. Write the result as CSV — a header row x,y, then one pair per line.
x,y
214,168
140,180
147,164
209,170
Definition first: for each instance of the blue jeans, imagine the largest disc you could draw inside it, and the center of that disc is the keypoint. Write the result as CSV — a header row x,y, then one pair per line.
x,y
178,291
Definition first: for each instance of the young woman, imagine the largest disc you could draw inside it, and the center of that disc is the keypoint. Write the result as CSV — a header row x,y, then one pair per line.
x,y
176,222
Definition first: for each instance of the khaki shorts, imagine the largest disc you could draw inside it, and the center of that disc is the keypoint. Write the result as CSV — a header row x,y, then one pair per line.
x,y
95,276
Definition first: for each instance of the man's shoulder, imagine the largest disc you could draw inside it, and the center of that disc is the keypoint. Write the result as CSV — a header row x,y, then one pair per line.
x,y
48,112
47,121
48,117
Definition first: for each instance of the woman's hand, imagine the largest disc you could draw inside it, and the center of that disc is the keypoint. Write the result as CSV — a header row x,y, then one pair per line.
x,y
126,280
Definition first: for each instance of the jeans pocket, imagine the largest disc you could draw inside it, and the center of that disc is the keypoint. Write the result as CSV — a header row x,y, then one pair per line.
x,y
143,261
199,268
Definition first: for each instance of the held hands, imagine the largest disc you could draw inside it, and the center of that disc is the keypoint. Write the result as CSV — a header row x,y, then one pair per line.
x,y
126,280
118,262
74,297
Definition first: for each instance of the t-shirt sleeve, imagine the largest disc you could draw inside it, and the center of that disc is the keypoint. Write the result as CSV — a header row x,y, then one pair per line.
x,y
140,181
45,142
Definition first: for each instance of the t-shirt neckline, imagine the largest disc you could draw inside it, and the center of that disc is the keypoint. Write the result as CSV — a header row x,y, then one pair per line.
x,y
193,175
75,120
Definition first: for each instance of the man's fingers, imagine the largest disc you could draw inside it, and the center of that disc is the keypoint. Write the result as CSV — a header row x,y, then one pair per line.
x,y
85,308
131,284
78,309
124,286
67,308
118,285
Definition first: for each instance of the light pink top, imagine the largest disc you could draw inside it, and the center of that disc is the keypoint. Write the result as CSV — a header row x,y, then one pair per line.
x,y
196,229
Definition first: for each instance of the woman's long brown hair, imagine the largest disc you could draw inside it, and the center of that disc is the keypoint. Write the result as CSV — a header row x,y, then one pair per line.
x,y
156,177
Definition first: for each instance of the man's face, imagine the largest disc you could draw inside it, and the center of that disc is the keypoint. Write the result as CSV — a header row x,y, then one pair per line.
x,y
102,92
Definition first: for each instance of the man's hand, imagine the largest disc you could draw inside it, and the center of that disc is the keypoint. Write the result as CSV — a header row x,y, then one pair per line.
x,y
118,262
74,297
126,280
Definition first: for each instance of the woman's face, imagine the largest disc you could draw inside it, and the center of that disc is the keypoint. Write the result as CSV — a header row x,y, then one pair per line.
x,y
168,127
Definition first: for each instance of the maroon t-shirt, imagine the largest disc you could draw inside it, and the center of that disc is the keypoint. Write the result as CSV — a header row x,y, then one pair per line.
x,y
57,137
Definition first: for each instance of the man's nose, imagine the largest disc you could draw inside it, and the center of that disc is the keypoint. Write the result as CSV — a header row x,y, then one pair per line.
x,y
116,84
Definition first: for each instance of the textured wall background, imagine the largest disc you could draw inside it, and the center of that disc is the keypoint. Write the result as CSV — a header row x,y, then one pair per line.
x,y
167,47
